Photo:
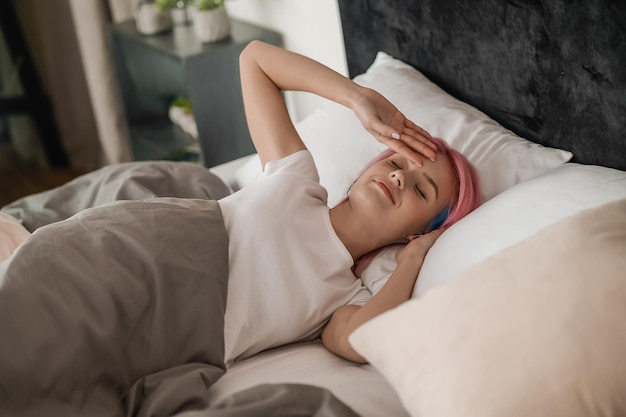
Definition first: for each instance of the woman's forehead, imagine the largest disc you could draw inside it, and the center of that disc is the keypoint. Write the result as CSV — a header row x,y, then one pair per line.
x,y
440,156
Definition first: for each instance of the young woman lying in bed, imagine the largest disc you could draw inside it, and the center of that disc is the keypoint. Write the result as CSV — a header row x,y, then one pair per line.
x,y
289,257
394,199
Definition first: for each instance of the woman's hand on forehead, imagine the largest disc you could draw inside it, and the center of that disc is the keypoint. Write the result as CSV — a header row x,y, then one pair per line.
x,y
390,127
414,142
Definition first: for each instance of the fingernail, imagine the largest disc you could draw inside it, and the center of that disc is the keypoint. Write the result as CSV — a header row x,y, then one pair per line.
x,y
395,136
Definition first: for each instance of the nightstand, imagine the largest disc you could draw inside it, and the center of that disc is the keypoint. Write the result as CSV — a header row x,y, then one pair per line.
x,y
154,70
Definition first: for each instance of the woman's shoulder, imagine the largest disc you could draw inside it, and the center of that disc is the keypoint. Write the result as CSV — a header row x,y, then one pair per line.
x,y
300,163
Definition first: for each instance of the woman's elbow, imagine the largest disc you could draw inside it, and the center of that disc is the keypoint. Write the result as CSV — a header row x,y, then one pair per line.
x,y
248,53
337,341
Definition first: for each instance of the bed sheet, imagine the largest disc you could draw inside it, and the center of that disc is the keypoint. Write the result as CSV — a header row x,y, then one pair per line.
x,y
149,275
114,296
361,387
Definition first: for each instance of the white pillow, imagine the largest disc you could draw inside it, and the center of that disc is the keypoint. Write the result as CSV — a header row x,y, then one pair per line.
x,y
505,220
341,147
517,214
535,330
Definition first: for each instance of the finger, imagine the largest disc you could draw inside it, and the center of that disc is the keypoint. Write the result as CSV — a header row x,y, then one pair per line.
x,y
421,134
408,145
437,232
402,148
427,140
435,235
427,240
419,146
431,236
410,125
384,130
390,132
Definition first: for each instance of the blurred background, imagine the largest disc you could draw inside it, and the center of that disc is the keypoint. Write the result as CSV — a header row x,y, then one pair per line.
x,y
61,111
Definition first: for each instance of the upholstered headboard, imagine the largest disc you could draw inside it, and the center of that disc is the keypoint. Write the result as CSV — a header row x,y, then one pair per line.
x,y
552,71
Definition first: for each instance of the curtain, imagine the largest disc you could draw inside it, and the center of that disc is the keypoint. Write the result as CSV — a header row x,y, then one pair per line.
x,y
90,19
69,43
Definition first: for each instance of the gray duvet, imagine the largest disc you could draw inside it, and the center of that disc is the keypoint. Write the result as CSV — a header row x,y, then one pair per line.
x,y
117,310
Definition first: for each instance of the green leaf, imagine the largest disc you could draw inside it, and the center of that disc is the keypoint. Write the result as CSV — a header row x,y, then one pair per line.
x,y
204,5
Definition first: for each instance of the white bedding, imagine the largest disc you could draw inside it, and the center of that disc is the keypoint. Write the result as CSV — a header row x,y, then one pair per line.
x,y
361,387
522,210
527,207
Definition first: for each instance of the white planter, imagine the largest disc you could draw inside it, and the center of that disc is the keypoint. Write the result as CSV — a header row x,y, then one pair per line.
x,y
150,20
211,25
181,16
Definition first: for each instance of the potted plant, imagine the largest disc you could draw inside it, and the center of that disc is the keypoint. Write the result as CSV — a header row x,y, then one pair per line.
x,y
179,10
150,19
211,22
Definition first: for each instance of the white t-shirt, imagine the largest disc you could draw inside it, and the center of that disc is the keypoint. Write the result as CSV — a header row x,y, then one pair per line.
x,y
288,269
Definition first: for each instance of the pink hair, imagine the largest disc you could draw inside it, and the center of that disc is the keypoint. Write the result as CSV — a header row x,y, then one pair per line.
x,y
465,199
467,196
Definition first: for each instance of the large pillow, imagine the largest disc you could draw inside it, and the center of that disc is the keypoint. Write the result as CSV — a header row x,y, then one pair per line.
x,y
506,219
536,330
341,147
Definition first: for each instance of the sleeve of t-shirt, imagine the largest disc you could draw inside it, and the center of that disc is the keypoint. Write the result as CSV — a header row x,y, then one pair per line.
x,y
376,274
360,298
298,163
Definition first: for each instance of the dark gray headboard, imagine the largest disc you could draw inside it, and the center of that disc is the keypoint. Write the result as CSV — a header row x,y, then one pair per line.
x,y
552,71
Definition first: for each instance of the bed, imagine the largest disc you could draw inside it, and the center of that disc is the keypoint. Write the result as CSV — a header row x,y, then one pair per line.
x,y
519,308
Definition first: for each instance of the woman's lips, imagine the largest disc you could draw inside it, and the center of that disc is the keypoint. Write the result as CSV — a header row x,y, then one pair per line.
x,y
387,190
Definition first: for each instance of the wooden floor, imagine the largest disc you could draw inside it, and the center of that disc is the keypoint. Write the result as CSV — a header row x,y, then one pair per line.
x,y
19,178
16,183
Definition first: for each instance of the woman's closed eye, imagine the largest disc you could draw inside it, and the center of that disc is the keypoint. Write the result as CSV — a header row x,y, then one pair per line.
x,y
416,187
419,192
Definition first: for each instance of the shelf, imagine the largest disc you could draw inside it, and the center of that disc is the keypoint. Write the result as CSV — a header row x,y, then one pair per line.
x,y
154,70
181,42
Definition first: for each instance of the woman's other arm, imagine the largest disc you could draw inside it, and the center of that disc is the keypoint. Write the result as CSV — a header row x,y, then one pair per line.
x,y
267,70
397,290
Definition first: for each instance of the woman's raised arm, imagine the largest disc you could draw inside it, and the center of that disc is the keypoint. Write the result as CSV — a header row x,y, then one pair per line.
x,y
396,290
267,70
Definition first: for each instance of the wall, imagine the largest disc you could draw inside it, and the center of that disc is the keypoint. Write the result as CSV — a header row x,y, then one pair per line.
x,y
309,27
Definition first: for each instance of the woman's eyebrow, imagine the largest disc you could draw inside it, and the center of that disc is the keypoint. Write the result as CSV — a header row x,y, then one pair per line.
x,y
432,182
429,179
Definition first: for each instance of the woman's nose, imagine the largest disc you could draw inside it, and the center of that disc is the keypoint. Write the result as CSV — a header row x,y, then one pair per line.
x,y
397,178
